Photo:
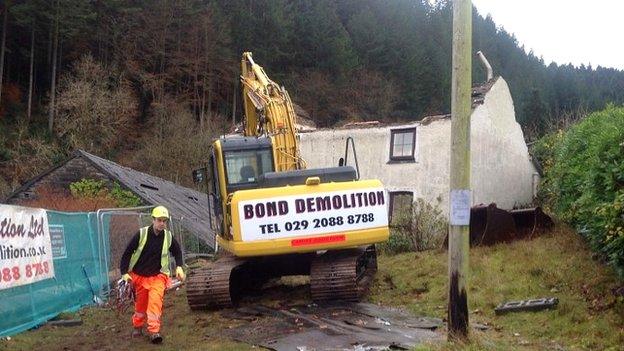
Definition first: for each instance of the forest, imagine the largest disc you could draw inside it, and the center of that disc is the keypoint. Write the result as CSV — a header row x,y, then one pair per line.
x,y
149,83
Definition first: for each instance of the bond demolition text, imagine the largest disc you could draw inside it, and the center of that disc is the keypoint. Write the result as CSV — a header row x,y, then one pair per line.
x,y
314,204
11,230
11,253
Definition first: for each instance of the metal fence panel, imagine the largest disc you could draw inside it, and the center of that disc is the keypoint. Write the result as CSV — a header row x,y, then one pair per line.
x,y
78,272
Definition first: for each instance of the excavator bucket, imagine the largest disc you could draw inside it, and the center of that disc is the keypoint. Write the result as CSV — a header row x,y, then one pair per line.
x,y
490,225
530,221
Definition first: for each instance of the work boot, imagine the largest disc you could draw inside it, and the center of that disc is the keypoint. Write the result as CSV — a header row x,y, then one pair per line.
x,y
137,333
156,338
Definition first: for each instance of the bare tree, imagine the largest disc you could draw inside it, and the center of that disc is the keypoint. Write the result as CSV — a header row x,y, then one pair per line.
x,y
94,107
167,153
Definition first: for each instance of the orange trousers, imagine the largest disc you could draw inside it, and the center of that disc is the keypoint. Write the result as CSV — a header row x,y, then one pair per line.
x,y
149,300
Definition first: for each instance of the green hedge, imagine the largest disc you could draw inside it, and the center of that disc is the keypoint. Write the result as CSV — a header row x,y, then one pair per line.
x,y
584,180
91,188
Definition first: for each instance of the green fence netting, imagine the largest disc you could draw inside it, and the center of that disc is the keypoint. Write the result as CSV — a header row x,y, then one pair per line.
x,y
87,248
81,274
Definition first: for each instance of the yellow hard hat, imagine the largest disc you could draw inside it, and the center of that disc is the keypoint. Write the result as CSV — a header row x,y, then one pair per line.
x,y
160,212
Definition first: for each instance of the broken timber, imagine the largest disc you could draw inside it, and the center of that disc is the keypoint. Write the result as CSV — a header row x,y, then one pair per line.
x,y
526,305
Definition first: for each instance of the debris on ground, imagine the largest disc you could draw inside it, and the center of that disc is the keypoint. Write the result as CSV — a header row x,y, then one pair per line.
x,y
350,326
527,305
65,322
479,326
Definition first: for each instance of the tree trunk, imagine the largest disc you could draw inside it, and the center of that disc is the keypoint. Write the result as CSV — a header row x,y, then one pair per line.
x,y
196,83
53,83
209,101
30,76
59,53
163,55
202,112
4,29
234,93
50,40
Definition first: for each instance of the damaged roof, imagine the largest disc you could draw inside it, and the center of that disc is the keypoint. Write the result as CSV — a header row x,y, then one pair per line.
x,y
190,206
477,95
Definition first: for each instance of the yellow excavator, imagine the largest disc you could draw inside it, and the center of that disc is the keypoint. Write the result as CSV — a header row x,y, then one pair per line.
x,y
276,218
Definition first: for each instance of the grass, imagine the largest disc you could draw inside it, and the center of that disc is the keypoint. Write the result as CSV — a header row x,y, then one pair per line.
x,y
104,329
559,264
588,316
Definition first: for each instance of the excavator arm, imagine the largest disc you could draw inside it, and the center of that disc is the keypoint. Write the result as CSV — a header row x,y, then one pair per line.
x,y
270,112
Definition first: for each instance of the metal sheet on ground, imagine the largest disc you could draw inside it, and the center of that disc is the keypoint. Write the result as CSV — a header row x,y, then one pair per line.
x,y
345,326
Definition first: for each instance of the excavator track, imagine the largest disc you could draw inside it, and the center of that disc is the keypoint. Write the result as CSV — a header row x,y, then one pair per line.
x,y
210,287
342,274
225,281
335,275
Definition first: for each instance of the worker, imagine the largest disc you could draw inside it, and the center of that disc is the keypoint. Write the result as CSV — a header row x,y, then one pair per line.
x,y
145,263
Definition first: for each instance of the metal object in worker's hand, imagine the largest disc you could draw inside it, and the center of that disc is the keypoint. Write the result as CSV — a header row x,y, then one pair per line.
x,y
175,283
527,305
124,296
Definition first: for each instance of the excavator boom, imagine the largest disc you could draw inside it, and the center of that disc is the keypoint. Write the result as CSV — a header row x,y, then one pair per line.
x,y
270,112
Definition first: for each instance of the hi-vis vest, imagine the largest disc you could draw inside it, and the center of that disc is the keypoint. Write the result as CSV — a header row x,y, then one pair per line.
x,y
164,255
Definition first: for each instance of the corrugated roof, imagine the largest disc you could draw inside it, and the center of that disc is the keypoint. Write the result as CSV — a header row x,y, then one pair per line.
x,y
189,205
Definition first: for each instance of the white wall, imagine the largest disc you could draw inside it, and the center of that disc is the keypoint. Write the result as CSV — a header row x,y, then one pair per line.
x,y
502,171
501,168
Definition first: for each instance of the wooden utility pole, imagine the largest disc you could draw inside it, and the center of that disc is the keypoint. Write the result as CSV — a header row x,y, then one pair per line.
x,y
460,195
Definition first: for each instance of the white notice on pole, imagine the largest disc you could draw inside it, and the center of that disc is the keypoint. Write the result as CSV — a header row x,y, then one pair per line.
x,y
460,206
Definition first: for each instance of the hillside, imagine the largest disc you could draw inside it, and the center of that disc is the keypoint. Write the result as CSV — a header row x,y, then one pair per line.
x,y
149,83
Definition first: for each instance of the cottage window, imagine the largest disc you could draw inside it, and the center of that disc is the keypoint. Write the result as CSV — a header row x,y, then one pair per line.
x,y
402,144
401,208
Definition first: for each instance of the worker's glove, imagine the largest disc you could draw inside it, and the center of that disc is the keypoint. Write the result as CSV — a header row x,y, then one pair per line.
x,y
126,277
180,274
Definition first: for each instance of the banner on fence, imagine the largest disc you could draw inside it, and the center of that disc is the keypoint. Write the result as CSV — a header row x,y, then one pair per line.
x,y
25,246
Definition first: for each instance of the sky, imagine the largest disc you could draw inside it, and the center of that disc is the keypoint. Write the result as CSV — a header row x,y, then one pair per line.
x,y
563,31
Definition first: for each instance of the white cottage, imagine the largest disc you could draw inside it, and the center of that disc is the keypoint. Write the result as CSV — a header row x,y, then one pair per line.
x,y
413,160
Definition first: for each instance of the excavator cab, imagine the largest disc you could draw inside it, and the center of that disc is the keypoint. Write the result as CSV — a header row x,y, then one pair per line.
x,y
234,163
244,160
